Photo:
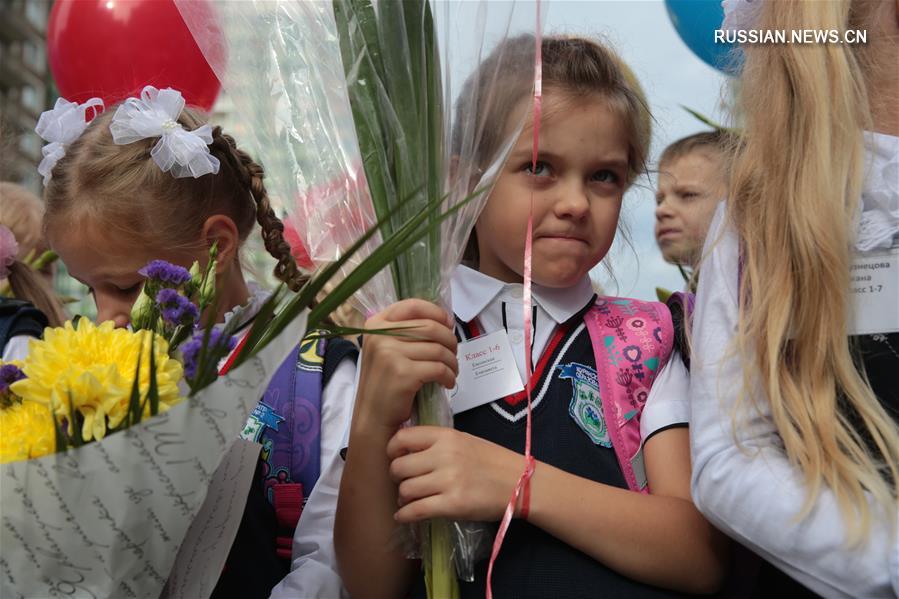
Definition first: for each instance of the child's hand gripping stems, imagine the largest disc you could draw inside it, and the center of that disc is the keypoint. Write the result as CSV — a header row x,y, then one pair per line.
x,y
393,368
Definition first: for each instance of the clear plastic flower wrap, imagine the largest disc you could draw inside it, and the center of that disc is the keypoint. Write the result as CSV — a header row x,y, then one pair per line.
x,y
365,112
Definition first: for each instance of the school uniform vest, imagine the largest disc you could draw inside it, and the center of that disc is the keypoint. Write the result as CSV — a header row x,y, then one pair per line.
x,y
880,355
570,435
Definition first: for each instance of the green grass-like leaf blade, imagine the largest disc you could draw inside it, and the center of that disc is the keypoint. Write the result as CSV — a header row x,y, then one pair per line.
x,y
153,389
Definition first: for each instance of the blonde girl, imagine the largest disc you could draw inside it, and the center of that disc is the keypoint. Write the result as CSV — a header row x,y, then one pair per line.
x,y
144,182
794,440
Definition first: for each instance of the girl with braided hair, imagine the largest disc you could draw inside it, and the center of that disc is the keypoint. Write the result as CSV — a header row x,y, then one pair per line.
x,y
149,180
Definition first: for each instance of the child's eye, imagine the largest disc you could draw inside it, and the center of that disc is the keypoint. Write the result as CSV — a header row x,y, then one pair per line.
x,y
129,290
606,176
689,195
538,169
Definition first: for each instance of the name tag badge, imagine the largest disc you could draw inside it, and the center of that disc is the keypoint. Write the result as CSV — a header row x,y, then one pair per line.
x,y
875,292
487,372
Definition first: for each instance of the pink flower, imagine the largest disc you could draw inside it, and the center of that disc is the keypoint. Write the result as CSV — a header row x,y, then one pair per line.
x,y
8,250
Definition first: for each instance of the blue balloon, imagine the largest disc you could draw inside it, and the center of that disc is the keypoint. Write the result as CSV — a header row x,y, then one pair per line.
x,y
696,22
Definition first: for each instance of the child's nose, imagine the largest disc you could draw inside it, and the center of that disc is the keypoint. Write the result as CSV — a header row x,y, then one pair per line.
x,y
574,201
117,311
663,210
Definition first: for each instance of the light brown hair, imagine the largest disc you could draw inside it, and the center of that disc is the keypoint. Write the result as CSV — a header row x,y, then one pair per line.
x,y
719,143
574,66
23,213
120,186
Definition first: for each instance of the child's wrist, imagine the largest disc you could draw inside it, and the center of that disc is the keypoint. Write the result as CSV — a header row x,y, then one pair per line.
x,y
368,427
523,502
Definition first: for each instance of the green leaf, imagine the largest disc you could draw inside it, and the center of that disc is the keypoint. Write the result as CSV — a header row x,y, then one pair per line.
x,y
44,260
334,332
134,402
412,232
306,296
707,121
153,390
62,441
75,438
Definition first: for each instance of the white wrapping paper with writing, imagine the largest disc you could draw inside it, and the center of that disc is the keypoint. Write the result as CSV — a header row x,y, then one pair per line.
x,y
107,519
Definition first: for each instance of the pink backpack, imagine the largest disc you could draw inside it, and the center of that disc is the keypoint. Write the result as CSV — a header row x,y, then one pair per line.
x,y
632,342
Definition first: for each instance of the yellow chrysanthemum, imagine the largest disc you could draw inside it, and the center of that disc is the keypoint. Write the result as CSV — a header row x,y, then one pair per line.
x,y
26,431
92,367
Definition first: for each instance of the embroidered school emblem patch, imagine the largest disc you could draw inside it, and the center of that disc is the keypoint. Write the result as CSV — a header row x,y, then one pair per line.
x,y
262,416
585,407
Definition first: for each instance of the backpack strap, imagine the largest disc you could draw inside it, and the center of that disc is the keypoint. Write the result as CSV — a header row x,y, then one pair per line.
x,y
336,351
18,317
681,305
632,341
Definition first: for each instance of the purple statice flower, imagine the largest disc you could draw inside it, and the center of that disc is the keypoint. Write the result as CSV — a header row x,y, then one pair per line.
x,y
9,374
165,274
176,309
190,349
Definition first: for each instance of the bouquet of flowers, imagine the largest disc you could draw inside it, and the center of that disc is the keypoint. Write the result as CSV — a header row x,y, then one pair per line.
x,y
362,94
147,485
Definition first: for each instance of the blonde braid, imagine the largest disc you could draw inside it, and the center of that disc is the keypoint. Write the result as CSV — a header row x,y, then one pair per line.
x,y
251,175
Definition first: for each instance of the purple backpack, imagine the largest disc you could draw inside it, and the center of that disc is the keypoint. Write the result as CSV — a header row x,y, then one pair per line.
x,y
287,422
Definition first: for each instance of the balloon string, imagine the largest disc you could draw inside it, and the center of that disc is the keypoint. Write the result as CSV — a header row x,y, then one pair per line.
x,y
523,484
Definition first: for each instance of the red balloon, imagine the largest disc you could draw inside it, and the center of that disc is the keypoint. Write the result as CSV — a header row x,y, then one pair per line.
x,y
112,48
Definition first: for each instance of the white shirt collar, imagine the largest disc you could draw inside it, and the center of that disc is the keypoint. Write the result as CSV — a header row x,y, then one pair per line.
x,y
473,291
243,314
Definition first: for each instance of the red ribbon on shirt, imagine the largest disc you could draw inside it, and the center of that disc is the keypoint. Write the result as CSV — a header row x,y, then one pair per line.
x,y
523,486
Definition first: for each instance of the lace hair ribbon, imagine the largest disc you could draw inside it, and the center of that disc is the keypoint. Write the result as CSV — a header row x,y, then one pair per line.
x,y
155,114
60,126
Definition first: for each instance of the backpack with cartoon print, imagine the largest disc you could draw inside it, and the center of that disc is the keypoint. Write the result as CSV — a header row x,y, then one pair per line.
x,y
632,341
287,423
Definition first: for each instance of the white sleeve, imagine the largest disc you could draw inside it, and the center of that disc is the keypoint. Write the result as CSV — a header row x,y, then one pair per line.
x,y
313,571
668,403
337,408
751,491
16,348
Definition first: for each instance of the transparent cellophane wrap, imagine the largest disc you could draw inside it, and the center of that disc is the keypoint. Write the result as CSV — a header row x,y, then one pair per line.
x,y
150,511
283,72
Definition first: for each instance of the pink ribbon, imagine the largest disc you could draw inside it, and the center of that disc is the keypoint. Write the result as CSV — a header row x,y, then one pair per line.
x,y
524,481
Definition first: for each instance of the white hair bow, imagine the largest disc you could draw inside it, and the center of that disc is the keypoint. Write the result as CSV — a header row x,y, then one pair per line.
x,y
61,126
740,14
155,114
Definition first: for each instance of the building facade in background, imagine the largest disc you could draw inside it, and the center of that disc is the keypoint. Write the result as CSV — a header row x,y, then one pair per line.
x,y
25,88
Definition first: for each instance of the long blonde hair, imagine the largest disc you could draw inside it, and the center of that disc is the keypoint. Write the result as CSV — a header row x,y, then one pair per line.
x,y
794,196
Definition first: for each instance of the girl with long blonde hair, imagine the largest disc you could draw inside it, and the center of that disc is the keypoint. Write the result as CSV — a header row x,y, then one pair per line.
x,y
794,441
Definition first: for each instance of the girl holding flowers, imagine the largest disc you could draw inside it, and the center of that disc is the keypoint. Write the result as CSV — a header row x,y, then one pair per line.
x,y
148,180
580,529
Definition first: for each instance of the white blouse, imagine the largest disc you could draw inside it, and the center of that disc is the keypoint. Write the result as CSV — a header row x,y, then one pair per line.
x,y
742,480
474,295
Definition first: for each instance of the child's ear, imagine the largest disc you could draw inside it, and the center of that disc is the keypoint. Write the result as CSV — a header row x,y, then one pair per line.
x,y
221,230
